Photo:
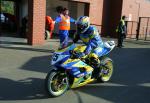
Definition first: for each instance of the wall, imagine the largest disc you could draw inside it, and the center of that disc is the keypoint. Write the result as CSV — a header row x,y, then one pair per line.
x,y
36,32
96,8
131,7
135,9
95,12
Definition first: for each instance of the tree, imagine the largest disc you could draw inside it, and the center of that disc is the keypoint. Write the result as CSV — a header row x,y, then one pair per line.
x,y
7,7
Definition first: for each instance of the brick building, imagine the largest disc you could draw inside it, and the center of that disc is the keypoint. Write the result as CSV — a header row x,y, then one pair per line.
x,y
105,14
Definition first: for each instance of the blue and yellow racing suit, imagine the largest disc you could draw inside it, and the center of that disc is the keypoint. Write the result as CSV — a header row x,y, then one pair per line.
x,y
90,38
93,42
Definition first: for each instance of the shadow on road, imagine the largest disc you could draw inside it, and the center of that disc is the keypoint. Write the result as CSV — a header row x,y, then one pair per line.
x,y
27,49
38,64
118,94
27,89
20,44
13,43
138,42
131,74
130,81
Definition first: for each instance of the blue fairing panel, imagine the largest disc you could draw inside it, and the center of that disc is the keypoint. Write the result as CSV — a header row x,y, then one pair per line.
x,y
75,71
102,51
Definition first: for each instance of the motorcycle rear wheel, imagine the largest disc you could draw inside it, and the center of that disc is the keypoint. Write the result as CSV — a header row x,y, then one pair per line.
x,y
56,83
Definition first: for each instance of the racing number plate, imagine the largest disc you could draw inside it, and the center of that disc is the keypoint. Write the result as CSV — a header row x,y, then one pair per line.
x,y
55,57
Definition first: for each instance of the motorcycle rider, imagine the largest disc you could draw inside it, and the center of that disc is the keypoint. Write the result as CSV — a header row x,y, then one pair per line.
x,y
91,38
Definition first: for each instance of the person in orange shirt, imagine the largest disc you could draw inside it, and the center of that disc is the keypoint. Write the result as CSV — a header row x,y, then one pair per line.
x,y
49,25
64,21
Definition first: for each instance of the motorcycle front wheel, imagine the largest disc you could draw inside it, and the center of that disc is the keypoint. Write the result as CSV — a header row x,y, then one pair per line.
x,y
106,70
56,83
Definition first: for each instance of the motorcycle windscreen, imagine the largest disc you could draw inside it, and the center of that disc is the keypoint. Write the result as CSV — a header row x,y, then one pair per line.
x,y
101,51
58,57
61,54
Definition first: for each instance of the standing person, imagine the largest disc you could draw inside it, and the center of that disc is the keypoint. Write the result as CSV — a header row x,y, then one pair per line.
x,y
121,30
64,26
49,25
24,26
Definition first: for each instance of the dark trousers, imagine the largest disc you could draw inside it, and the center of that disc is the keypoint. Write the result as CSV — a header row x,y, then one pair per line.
x,y
121,36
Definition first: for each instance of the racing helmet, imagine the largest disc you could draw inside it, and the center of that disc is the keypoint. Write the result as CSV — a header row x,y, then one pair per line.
x,y
94,59
83,24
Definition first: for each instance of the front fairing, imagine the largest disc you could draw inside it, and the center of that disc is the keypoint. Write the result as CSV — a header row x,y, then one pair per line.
x,y
70,63
61,59
76,66
61,55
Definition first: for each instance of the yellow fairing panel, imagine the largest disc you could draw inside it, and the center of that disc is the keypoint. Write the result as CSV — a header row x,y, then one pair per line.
x,y
86,40
70,60
77,84
80,48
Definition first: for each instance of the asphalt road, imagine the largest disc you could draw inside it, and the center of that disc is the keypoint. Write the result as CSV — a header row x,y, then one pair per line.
x,y
23,70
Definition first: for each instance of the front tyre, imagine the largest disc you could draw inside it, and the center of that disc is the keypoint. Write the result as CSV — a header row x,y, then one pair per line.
x,y
106,70
56,83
